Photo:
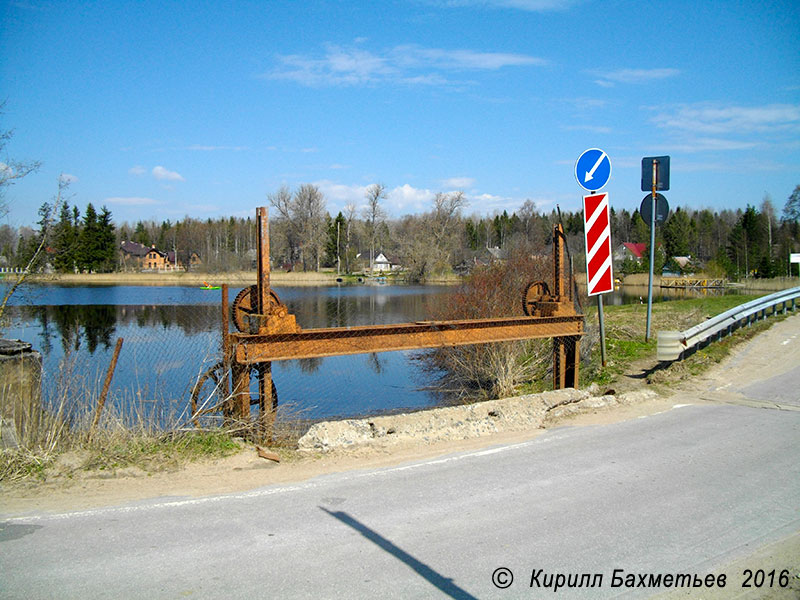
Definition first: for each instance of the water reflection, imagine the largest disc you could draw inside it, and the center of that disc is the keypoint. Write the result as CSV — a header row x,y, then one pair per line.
x,y
637,294
169,341
96,326
167,346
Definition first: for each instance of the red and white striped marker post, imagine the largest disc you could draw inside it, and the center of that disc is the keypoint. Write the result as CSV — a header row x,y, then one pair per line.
x,y
597,229
599,266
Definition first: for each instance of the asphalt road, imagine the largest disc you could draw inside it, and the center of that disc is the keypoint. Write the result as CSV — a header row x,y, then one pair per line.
x,y
684,491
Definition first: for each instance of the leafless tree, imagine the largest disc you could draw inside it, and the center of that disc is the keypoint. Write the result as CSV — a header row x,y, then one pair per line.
x,y
283,230
427,243
374,216
350,217
527,214
308,211
768,210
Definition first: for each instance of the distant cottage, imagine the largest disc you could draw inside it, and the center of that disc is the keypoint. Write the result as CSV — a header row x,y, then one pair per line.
x,y
382,264
138,257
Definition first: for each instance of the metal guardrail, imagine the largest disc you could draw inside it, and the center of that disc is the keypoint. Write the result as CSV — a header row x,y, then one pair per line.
x,y
672,345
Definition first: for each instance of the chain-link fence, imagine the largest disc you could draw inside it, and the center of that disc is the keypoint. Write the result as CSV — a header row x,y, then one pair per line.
x,y
336,351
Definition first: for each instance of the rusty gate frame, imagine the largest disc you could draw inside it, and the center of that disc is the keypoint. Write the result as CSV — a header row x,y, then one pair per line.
x,y
274,334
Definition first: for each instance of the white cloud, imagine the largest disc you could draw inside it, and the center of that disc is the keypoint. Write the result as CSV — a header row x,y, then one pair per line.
x,y
704,144
610,78
406,199
459,183
413,56
131,201
340,194
719,120
137,170
201,148
163,174
716,127
403,64
526,5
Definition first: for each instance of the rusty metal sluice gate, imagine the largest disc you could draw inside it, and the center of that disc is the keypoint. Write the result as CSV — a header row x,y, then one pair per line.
x,y
266,332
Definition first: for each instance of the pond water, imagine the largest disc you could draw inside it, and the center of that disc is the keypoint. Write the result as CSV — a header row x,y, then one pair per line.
x,y
172,334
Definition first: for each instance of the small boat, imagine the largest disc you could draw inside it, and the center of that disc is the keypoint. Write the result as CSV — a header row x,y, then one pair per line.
x,y
207,286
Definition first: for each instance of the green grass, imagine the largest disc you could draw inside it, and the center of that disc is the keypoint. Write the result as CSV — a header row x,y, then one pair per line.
x,y
626,347
160,452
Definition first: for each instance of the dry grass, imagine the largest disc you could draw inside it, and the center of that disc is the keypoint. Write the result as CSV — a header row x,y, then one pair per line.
x,y
130,434
235,278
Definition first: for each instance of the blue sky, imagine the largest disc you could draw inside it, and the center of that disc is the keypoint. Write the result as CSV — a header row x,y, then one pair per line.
x,y
165,109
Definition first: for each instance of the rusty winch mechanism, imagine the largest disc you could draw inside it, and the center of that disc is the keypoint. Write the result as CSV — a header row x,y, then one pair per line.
x,y
266,331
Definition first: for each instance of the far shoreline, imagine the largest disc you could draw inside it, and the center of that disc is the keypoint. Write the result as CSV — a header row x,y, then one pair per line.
x,y
234,278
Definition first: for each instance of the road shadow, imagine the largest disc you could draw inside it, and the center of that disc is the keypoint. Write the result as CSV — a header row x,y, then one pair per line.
x,y
647,370
444,584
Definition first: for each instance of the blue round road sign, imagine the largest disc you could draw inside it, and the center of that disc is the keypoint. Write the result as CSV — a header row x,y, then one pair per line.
x,y
593,169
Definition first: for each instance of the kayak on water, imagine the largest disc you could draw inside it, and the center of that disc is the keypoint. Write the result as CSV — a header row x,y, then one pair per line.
x,y
207,286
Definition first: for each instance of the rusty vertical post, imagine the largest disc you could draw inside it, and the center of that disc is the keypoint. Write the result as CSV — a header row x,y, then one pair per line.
x,y
265,397
559,346
262,217
106,384
558,261
240,398
238,405
226,343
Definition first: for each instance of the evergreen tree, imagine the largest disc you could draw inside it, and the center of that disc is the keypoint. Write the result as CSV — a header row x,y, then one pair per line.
x,y
791,210
472,235
87,257
334,244
676,234
65,241
640,231
140,234
106,247
747,243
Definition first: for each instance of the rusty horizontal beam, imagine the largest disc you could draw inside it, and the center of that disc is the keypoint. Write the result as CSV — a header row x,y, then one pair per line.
x,y
314,343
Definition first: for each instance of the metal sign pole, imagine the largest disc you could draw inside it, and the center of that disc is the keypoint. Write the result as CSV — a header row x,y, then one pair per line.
x,y
652,254
602,329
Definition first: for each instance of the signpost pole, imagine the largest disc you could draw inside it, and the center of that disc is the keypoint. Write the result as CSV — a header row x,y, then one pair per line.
x,y
652,254
602,329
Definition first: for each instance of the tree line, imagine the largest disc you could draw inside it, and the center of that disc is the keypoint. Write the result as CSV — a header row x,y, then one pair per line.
x,y
304,236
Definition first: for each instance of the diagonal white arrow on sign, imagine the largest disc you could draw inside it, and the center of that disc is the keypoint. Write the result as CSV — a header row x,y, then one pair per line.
x,y
590,173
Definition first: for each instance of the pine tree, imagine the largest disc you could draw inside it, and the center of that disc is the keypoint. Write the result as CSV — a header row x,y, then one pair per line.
x,y
65,241
140,234
106,247
88,256
791,210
